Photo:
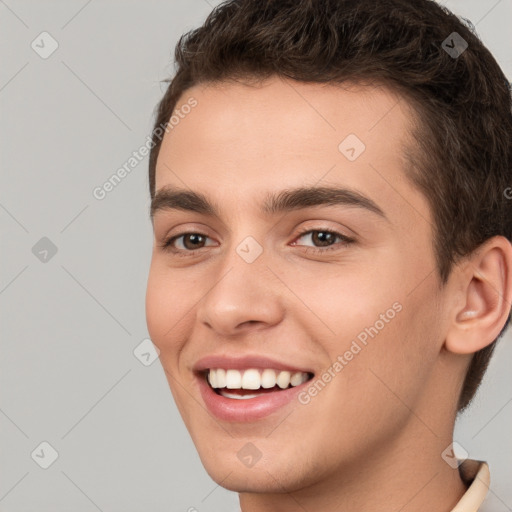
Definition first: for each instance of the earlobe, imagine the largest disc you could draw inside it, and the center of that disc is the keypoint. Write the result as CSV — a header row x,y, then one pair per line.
x,y
486,281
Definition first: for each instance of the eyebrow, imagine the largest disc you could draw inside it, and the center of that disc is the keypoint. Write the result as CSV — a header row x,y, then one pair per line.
x,y
170,198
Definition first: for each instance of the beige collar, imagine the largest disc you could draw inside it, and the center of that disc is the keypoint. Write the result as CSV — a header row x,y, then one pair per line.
x,y
475,474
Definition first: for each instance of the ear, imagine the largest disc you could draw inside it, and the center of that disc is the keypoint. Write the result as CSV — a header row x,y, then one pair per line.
x,y
485,279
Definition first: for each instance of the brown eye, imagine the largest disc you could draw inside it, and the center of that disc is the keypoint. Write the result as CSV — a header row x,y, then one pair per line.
x,y
193,241
186,242
324,238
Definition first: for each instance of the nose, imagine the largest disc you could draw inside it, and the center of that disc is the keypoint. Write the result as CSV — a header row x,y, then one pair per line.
x,y
242,296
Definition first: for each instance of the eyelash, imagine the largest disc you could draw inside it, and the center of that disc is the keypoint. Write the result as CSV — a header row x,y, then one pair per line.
x,y
345,240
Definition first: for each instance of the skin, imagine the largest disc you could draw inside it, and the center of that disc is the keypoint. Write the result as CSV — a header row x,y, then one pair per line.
x,y
372,439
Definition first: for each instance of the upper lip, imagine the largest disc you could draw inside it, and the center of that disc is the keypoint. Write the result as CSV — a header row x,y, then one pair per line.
x,y
244,363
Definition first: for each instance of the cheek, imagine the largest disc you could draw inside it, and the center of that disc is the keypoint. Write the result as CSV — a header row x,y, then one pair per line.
x,y
344,299
365,400
388,339
395,364
156,306
165,307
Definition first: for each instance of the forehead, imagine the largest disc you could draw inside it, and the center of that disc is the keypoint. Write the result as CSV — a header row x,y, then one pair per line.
x,y
245,140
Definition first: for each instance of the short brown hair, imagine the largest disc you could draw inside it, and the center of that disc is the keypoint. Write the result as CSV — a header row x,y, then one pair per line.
x,y
462,159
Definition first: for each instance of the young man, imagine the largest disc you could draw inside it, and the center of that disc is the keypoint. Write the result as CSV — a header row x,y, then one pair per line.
x,y
332,263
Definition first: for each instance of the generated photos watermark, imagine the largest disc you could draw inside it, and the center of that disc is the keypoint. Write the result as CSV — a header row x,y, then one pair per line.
x,y
344,359
101,191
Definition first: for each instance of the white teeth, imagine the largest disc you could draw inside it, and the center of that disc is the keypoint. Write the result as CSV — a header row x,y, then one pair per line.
x,y
233,379
213,379
297,378
253,378
226,394
268,378
220,378
283,380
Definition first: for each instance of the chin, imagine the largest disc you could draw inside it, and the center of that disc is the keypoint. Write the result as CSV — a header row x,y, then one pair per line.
x,y
251,480
267,475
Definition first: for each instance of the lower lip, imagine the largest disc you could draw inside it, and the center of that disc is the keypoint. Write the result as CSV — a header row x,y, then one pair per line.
x,y
245,410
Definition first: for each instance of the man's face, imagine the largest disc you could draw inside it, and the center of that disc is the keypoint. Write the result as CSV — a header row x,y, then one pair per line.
x,y
276,285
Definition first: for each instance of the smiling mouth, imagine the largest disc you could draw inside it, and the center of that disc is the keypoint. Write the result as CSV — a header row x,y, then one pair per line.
x,y
252,382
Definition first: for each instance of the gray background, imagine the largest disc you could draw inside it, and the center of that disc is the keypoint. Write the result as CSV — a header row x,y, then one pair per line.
x,y
70,324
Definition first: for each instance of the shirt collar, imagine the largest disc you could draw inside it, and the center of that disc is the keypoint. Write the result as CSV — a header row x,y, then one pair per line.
x,y
475,474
